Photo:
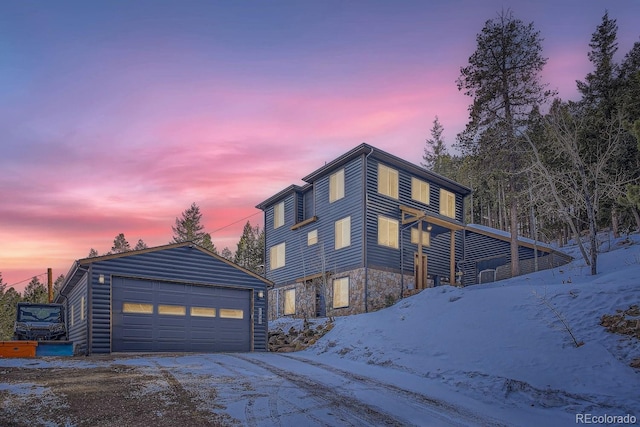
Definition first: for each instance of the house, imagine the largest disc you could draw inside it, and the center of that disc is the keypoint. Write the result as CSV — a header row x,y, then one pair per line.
x,y
177,297
365,230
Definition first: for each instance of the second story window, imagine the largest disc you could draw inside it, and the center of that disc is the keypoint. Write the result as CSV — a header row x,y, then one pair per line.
x,y
277,256
420,190
388,232
447,203
336,186
343,232
278,215
387,181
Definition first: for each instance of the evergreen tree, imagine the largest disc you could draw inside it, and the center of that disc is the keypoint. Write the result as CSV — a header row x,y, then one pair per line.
x,y
92,253
206,243
57,285
36,292
188,228
503,78
9,299
435,149
227,254
120,244
140,245
250,248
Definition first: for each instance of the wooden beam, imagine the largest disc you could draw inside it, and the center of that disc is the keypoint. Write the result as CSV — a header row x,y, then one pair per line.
x,y
452,259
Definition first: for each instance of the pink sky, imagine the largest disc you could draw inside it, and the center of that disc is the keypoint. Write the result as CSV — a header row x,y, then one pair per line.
x,y
117,116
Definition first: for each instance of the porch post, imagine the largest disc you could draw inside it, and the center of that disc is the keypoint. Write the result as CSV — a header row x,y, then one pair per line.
x,y
452,259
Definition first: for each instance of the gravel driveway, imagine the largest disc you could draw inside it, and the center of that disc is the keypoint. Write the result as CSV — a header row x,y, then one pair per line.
x,y
209,390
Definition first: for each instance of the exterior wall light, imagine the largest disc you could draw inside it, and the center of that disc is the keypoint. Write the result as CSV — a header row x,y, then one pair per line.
x,y
260,294
101,279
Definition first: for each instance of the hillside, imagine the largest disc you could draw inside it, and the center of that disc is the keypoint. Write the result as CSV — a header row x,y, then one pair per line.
x,y
502,344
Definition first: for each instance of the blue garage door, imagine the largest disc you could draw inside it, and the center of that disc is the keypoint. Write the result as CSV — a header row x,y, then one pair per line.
x,y
152,316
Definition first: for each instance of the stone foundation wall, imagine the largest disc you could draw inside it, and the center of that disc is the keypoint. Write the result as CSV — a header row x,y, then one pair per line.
x,y
384,288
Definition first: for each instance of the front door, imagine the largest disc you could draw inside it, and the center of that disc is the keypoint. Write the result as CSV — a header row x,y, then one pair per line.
x,y
420,270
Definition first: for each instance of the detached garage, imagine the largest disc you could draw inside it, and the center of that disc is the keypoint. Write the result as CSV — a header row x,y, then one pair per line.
x,y
173,298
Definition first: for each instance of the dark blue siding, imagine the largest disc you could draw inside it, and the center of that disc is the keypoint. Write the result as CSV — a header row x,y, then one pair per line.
x,y
303,260
379,204
78,330
180,264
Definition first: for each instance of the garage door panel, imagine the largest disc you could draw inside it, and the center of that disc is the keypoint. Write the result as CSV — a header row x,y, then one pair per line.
x,y
205,331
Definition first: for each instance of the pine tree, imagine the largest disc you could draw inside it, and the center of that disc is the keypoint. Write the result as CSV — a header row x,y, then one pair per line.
x,y
503,78
188,228
434,149
36,292
120,244
9,299
227,254
57,285
250,248
92,253
140,245
206,243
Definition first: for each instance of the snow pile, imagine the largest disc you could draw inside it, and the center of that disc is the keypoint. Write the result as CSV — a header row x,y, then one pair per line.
x,y
512,341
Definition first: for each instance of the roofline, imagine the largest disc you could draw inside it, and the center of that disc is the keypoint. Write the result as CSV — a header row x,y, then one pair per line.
x,y
366,149
541,246
290,189
85,262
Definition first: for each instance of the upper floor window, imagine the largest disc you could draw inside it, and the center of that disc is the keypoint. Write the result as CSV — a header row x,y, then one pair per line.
x,y
336,186
343,232
278,215
420,190
277,256
387,181
388,232
447,203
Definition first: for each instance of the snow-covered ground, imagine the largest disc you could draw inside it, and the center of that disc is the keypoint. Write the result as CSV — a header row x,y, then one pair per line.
x,y
487,354
503,345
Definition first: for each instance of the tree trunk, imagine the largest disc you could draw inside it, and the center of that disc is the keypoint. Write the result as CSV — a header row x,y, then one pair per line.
x,y
515,258
636,215
615,222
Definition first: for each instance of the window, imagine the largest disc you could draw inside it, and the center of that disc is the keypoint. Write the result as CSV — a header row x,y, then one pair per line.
x,y
343,232
290,301
447,203
388,232
426,236
172,310
231,313
312,237
277,256
336,186
82,308
203,312
420,190
341,292
137,307
387,181
278,215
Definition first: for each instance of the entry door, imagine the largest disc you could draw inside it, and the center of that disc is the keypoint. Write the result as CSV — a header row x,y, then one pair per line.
x,y
420,270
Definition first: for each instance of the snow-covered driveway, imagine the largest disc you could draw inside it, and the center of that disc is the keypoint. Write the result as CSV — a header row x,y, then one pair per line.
x,y
267,389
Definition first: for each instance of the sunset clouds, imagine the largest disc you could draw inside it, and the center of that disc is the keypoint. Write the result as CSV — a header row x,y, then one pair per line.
x,y
116,116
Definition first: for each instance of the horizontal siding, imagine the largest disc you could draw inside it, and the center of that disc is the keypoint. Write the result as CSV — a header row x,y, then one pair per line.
x,y
303,260
78,331
181,264
382,205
